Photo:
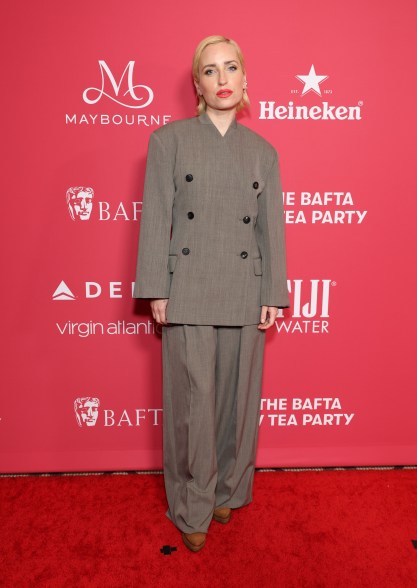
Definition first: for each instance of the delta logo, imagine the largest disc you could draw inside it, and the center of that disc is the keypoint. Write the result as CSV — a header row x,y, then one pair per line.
x,y
93,290
314,83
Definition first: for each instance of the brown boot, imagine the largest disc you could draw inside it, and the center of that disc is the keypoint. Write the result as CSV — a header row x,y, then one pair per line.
x,y
194,541
222,515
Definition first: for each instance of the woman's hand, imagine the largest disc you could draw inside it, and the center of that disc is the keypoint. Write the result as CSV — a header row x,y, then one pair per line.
x,y
158,307
268,316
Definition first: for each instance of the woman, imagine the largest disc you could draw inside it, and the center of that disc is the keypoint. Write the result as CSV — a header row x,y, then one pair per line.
x,y
215,285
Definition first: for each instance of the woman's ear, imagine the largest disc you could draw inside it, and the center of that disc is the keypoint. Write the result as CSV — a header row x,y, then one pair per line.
x,y
197,87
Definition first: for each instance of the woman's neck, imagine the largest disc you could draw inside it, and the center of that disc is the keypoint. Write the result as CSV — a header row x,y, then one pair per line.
x,y
221,119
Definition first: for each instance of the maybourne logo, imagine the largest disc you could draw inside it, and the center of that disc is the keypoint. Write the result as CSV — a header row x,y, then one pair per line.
x,y
271,110
122,90
97,93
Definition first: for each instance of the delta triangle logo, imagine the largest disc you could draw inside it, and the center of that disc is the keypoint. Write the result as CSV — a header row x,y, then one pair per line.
x,y
63,293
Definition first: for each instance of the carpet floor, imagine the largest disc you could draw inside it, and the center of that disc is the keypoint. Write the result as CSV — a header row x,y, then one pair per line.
x,y
306,529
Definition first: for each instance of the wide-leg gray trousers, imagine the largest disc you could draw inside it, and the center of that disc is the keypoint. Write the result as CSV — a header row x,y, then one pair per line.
x,y
212,379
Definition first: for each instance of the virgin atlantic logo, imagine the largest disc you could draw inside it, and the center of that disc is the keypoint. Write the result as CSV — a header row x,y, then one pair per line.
x,y
140,95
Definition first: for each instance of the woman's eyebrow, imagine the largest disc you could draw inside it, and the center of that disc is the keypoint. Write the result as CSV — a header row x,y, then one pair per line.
x,y
214,64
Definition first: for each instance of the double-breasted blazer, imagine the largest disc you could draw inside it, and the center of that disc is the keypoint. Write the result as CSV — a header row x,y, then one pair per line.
x,y
212,227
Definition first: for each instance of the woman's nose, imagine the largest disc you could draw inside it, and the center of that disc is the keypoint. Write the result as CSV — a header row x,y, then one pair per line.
x,y
222,78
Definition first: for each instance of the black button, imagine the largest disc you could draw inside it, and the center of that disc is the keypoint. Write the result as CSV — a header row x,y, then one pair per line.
x,y
189,177
186,251
190,214
246,219
256,185
244,254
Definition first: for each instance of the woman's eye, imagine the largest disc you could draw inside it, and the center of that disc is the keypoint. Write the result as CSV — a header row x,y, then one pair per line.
x,y
233,68
208,72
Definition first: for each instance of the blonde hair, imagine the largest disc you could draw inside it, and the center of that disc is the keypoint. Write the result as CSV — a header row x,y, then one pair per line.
x,y
213,40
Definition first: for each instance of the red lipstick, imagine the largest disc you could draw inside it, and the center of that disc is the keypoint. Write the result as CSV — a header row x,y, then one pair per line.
x,y
224,93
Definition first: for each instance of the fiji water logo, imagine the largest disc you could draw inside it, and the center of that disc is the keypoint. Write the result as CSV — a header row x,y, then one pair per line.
x,y
312,82
310,307
140,95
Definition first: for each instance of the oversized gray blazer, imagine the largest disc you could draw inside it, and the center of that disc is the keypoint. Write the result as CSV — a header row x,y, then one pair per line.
x,y
212,227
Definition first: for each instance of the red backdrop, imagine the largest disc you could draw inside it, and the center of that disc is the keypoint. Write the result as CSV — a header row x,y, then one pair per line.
x,y
332,89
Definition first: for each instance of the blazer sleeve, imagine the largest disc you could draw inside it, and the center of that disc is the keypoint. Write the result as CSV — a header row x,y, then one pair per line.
x,y
152,275
270,234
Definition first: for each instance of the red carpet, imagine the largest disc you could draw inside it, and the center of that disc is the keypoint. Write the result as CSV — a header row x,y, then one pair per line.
x,y
304,529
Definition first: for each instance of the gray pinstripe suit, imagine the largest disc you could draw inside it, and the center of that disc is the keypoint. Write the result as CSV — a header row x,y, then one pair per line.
x,y
212,241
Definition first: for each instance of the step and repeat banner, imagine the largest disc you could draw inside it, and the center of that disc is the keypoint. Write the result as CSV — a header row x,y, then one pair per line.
x,y
331,87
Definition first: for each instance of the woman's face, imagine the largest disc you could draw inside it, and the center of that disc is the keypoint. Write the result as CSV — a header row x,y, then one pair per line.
x,y
221,77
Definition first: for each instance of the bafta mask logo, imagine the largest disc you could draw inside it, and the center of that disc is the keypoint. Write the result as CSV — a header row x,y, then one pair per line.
x,y
86,411
80,203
